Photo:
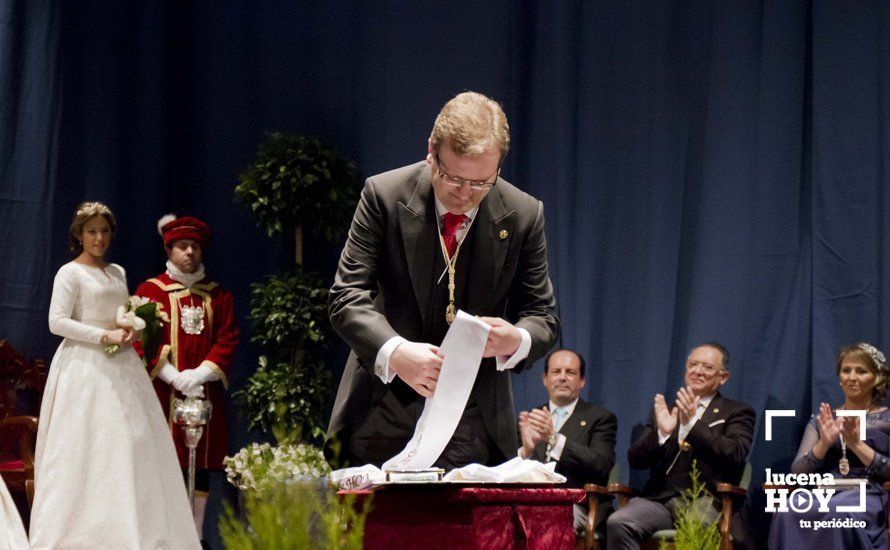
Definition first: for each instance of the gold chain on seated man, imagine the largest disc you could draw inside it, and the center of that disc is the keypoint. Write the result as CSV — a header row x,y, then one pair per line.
x,y
450,311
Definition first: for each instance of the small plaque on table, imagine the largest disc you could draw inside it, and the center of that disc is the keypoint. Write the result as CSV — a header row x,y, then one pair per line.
x,y
424,475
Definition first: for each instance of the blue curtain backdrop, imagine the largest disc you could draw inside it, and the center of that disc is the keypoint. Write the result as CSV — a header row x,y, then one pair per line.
x,y
710,170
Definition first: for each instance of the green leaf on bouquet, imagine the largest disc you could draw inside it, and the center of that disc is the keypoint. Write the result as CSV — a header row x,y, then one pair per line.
x,y
151,334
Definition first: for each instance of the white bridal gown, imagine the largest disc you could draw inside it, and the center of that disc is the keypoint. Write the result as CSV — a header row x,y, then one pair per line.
x,y
12,532
106,474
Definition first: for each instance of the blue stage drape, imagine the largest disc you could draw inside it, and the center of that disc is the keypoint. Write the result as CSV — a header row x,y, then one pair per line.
x,y
710,170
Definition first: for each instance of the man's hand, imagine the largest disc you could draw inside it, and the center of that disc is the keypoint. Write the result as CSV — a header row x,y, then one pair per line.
x,y
418,365
534,427
687,403
529,435
503,338
664,418
541,421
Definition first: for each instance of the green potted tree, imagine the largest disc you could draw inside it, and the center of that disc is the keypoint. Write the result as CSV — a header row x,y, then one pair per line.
x,y
295,185
694,522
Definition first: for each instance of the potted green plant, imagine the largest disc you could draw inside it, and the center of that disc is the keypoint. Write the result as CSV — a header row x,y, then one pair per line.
x,y
294,184
694,521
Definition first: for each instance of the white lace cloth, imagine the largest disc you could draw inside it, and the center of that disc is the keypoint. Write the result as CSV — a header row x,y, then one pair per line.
x,y
516,470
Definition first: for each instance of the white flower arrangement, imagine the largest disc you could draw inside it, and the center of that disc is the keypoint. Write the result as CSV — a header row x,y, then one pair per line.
x,y
259,465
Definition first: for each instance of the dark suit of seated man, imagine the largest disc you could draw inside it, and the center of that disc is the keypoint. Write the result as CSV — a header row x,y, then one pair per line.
x,y
577,435
703,426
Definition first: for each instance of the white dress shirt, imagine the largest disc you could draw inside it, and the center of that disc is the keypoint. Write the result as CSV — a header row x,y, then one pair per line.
x,y
560,443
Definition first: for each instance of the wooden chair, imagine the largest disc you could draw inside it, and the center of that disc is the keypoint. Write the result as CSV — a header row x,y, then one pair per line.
x,y
727,492
18,432
596,495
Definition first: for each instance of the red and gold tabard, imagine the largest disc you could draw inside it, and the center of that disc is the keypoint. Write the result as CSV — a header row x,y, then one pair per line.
x,y
186,348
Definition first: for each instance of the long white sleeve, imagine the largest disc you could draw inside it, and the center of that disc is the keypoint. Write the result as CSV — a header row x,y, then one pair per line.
x,y
61,307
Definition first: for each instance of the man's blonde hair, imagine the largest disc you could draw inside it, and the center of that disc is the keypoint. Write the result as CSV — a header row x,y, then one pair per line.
x,y
470,124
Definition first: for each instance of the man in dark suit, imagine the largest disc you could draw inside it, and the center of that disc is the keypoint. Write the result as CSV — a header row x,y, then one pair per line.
x,y
577,435
703,426
428,239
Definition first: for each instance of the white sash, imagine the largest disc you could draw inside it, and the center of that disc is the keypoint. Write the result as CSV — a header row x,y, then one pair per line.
x,y
462,351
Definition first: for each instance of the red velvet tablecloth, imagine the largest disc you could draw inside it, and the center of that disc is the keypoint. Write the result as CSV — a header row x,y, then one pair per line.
x,y
491,516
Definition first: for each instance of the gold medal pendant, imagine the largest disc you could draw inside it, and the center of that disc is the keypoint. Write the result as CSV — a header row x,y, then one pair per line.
x,y
449,313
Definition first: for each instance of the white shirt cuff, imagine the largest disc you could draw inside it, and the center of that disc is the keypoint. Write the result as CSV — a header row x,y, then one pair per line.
x,y
505,362
662,438
556,451
381,363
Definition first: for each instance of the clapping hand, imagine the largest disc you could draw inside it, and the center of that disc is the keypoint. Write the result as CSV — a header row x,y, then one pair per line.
x,y
665,419
829,427
850,428
687,404
529,435
534,427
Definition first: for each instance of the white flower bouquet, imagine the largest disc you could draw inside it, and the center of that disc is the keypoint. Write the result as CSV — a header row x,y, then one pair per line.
x,y
146,318
260,465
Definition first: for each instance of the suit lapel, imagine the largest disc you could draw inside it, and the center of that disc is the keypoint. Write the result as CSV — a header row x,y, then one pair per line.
x,y
417,223
572,427
713,411
490,250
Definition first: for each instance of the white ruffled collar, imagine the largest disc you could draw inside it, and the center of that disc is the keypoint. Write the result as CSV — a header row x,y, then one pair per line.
x,y
186,279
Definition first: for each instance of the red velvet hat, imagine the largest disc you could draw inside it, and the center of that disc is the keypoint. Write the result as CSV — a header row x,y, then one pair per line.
x,y
173,229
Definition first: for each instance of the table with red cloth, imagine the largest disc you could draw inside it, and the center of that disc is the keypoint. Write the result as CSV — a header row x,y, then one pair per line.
x,y
444,515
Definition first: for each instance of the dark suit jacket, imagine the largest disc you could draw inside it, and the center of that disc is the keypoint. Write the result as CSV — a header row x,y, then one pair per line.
x,y
719,442
589,451
385,278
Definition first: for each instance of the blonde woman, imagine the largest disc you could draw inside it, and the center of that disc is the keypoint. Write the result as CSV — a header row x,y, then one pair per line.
x,y
832,444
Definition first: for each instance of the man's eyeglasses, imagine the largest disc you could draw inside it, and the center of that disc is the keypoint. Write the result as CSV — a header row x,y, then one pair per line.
x,y
455,181
706,368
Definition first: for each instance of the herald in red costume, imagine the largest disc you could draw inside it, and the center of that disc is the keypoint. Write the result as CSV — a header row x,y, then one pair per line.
x,y
212,348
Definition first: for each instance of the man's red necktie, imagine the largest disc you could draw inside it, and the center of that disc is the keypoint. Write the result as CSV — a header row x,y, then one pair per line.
x,y
449,230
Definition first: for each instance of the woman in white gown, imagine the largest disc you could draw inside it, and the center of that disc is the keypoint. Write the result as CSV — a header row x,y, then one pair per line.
x,y
12,532
106,474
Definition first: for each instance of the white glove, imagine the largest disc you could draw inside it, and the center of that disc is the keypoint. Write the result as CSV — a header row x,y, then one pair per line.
x,y
191,381
168,372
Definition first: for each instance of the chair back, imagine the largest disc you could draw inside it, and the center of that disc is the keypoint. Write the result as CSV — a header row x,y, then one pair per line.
x,y
614,474
21,382
746,476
